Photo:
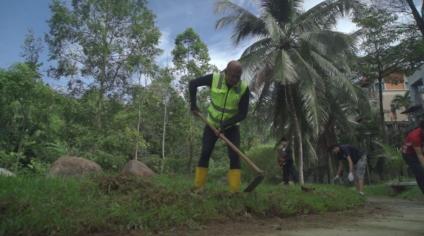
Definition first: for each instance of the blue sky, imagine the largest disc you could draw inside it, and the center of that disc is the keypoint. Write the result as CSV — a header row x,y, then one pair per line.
x,y
173,17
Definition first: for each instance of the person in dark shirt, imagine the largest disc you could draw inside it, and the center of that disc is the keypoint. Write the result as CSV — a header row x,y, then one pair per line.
x,y
285,161
228,106
357,161
412,153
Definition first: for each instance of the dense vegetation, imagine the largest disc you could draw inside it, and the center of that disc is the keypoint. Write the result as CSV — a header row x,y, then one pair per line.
x,y
115,110
120,105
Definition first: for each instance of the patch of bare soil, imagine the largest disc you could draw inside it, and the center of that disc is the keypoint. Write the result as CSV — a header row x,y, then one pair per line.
x,y
379,217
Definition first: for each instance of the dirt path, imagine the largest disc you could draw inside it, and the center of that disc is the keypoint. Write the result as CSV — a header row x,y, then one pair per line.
x,y
380,217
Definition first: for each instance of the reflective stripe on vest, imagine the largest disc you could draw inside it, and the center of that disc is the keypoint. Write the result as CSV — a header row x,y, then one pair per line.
x,y
224,101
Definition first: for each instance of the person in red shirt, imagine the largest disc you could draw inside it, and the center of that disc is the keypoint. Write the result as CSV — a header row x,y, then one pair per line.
x,y
412,153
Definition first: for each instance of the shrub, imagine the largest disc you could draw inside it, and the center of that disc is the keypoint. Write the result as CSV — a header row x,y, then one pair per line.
x,y
106,160
264,156
10,160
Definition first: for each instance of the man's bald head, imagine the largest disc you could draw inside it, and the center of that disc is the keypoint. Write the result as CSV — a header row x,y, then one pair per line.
x,y
233,73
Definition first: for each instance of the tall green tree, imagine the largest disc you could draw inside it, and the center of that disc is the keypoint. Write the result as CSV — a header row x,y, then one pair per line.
x,y
101,43
190,57
387,49
31,50
298,64
30,117
191,60
379,34
408,7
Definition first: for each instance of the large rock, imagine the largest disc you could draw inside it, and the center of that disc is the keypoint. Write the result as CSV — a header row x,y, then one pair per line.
x,y
137,168
4,172
73,166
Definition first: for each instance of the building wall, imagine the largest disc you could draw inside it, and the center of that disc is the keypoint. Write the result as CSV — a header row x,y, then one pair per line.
x,y
394,84
387,101
416,86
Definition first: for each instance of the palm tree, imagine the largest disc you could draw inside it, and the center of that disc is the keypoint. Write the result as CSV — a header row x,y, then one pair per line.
x,y
401,101
298,65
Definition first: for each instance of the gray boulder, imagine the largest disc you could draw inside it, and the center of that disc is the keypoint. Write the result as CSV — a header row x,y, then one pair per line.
x,y
73,166
137,168
4,172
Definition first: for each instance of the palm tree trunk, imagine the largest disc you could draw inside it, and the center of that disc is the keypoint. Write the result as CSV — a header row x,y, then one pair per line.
x,y
293,147
329,136
299,135
298,132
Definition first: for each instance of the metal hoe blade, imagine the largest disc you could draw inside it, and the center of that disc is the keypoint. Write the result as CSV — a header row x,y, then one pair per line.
x,y
256,181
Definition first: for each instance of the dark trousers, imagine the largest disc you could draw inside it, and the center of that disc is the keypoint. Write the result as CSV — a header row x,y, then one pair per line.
x,y
415,165
289,171
208,143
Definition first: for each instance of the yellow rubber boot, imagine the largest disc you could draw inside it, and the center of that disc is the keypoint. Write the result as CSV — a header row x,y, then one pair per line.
x,y
234,181
200,177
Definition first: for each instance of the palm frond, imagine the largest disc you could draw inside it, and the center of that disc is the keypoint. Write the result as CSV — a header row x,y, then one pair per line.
x,y
282,10
262,80
273,28
335,78
245,23
284,71
257,47
389,152
328,67
257,52
332,75
344,120
257,65
310,149
329,43
313,94
311,106
363,105
303,67
280,120
324,15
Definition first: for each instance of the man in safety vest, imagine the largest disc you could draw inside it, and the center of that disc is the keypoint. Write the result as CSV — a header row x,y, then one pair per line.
x,y
228,106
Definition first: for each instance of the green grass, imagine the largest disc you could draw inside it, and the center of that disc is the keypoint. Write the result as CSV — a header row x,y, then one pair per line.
x,y
412,193
47,206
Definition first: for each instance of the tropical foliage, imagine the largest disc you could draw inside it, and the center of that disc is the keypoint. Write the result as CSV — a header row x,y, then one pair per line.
x,y
120,104
299,67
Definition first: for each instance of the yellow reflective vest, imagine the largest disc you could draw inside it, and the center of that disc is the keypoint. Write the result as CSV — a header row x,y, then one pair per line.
x,y
224,101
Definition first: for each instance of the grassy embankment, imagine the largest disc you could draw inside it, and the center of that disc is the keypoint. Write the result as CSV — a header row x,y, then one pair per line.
x,y
54,206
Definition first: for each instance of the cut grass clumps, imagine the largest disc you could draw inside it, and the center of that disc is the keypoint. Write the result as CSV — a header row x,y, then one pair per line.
x,y
54,206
